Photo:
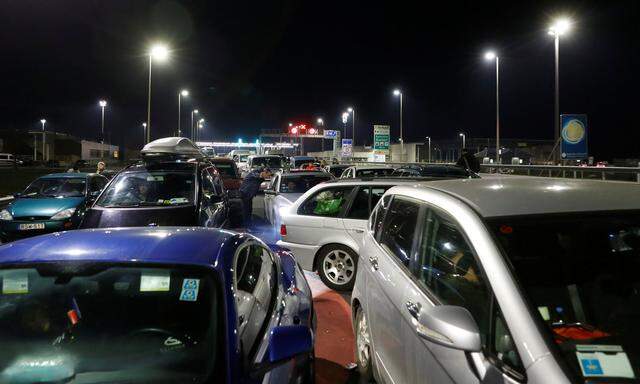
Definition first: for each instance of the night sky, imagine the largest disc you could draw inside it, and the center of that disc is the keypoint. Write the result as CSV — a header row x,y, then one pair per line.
x,y
259,64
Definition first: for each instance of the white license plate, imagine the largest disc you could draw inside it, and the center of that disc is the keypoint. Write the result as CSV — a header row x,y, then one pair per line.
x,y
29,226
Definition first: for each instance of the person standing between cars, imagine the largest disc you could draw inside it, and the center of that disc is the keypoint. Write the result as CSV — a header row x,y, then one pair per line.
x,y
101,167
468,161
249,189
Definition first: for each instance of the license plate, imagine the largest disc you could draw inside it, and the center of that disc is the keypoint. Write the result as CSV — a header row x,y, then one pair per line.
x,y
29,226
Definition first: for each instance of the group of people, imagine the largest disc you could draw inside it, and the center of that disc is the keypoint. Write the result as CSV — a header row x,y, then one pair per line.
x,y
76,168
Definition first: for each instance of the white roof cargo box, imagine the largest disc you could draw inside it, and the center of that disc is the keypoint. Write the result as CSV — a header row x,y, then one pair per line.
x,y
171,146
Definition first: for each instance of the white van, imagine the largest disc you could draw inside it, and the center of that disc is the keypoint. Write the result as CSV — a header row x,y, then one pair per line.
x,y
7,160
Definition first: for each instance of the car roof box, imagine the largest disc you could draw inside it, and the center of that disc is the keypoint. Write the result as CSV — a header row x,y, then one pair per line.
x,y
171,147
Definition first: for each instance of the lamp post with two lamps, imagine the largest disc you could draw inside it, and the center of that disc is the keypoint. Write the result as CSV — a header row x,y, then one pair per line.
x,y
559,28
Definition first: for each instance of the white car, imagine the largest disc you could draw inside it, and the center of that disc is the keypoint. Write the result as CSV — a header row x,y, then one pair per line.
x,y
285,188
324,227
367,171
273,162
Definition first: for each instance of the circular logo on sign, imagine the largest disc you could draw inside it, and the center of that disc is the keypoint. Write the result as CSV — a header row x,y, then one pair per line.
x,y
573,131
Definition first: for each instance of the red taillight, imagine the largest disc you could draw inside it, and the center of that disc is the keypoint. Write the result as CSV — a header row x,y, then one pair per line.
x,y
283,230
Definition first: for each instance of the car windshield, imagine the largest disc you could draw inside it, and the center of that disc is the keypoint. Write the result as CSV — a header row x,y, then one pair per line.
x,y
56,187
337,171
301,183
227,170
108,324
149,188
374,172
580,273
301,162
269,162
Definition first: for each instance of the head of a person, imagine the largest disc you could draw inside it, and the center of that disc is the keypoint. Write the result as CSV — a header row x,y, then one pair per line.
x,y
265,173
143,188
101,166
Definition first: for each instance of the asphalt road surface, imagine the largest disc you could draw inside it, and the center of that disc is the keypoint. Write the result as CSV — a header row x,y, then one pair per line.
x,y
335,343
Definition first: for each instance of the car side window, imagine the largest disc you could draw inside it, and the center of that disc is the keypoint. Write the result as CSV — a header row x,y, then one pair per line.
x,y
207,183
447,267
360,206
377,218
255,282
502,346
216,180
398,230
328,202
274,183
96,184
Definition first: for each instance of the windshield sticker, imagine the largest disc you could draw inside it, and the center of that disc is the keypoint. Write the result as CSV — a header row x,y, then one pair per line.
x,y
190,289
15,283
155,282
604,361
155,178
544,312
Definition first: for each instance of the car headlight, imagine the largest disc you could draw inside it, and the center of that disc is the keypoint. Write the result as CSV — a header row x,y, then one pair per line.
x,y
5,215
64,214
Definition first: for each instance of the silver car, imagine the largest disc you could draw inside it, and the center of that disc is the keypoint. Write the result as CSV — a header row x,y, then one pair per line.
x,y
357,171
285,188
324,227
507,280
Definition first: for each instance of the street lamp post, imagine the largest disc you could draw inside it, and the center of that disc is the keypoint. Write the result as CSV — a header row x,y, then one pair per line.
x,y
491,56
429,148
183,93
397,92
160,53
345,118
43,121
559,28
321,123
144,131
194,112
200,126
102,104
464,140
352,111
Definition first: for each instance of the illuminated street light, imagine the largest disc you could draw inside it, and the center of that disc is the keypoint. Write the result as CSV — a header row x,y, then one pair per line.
x,y
42,121
464,140
397,92
491,56
160,53
194,112
144,131
557,29
102,104
181,94
352,111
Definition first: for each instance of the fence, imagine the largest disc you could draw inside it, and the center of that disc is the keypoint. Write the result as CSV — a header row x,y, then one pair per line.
x,y
631,174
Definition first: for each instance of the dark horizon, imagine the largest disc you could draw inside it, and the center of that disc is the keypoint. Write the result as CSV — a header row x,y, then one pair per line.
x,y
261,65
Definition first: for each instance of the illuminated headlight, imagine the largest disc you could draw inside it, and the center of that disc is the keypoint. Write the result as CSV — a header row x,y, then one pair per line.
x,y
64,214
5,215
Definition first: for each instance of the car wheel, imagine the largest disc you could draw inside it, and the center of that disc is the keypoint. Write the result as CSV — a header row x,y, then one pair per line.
x,y
337,267
364,351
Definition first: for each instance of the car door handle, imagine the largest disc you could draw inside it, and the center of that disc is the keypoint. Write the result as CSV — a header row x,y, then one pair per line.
x,y
357,230
414,309
374,262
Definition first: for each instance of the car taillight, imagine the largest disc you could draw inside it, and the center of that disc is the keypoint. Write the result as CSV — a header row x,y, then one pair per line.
x,y
283,230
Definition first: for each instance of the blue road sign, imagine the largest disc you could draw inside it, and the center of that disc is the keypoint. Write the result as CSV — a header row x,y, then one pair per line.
x,y
573,134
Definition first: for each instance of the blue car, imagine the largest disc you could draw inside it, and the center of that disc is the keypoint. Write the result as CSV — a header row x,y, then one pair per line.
x,y
51,203
153,305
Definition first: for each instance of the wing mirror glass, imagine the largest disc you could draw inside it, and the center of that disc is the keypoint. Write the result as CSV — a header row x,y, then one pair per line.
x,y
450,326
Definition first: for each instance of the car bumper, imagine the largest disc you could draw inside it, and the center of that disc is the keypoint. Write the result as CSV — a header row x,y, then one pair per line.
x,y
304,254
10,230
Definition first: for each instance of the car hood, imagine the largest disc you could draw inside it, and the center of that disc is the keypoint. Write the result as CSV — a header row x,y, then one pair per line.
x,y
47,207
291,197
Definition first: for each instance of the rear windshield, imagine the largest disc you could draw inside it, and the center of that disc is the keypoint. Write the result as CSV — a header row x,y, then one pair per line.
x,y
226,170
580,273
302,183
269,162
56,187
111,324
374,172
150,188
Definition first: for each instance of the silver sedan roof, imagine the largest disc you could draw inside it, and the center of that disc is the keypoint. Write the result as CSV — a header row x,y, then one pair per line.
x,y
515,195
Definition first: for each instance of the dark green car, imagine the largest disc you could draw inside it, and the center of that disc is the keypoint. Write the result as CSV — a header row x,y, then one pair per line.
x,y
51,203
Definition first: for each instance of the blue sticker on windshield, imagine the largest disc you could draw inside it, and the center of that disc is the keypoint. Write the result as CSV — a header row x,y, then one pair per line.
x,y
190,289
591,367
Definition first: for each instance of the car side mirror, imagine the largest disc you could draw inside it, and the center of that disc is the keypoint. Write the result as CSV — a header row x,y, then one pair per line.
x,y
285,343
450,326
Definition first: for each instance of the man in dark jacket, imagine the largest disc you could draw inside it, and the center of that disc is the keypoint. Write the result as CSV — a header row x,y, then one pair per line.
x,y
249,189
468,161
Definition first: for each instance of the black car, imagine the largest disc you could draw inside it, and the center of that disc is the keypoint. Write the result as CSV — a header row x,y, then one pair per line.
x,y
163,190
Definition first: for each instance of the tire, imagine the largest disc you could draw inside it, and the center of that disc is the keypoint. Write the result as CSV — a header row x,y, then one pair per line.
x,y
337,266
364,351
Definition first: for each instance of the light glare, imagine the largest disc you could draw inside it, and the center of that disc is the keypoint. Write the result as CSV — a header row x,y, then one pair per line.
x,y
490,55
159,52
102,103
396,92
184,92
560,27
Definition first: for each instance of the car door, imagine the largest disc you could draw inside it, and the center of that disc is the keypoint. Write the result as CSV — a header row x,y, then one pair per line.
x,y
318,218
388,263
445,271
364,200
269,198
211,204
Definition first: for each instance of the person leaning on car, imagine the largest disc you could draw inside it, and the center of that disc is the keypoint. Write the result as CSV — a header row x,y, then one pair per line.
x,y
249,189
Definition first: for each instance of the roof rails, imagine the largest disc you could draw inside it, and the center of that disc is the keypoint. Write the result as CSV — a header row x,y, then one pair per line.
x,y
171,147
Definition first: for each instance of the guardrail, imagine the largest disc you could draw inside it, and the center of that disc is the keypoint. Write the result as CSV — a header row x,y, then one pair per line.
x,y
631,174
